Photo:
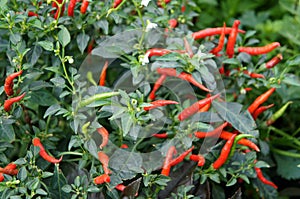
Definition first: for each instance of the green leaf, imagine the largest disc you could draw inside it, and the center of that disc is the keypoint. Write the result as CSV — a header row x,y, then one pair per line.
x,y
41,192
103,24
47,45
67,188
43,98
35,54
52,110
287,167
15,38
231,182
291,79
126,164
57,182
7,132
3,4
231,112
22,174
64,37
82,41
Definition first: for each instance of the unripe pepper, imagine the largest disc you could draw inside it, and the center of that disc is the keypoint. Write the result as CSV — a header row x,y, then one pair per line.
x,y
278,113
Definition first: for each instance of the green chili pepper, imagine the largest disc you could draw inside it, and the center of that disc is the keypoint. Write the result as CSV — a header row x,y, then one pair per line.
x,y
278,114
236,140
97,97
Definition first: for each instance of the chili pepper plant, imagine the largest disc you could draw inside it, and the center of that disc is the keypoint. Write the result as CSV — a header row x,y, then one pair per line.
x,y
115,99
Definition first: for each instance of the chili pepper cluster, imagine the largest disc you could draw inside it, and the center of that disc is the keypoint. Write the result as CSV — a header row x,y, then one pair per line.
x,y
9,90
231,138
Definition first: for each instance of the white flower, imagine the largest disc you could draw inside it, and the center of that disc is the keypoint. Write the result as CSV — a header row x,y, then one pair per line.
x,y
150,25
145,2
144,59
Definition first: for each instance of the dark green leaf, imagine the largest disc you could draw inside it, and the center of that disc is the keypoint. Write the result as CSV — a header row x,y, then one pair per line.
x,y
64,37
15,38
287,167
47,45
52,110
231,112
82,41
7,132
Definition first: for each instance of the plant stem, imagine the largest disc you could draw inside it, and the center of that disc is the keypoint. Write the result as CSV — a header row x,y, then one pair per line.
x,y
282,133
286,153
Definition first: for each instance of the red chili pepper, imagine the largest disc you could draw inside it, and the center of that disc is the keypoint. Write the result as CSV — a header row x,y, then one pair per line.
x,y
248,89
216,132
188,48
161,135
11,166
198,158
173,23
84,6
156,86
183,8
181,157
253,75
157,52
225,135
105,136
1,177
212,31
54,5
90,46
116,3
159,103
274,61
166,166
194,108
260,110
184,76
224,153
9,170
43,153
71,8
120,187
9,102
104,159
9,83
217,49
32,14
263,179
124,146
260,99
160,2
102,179
103,74
232,39
259,50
